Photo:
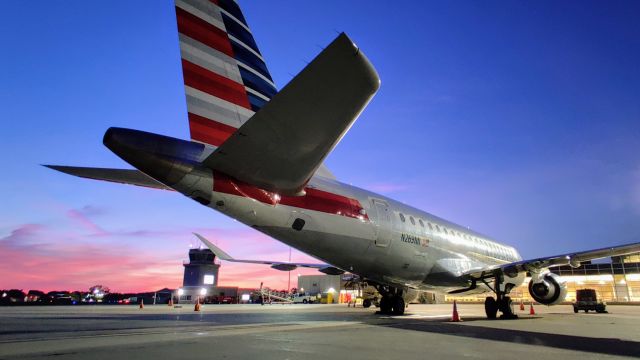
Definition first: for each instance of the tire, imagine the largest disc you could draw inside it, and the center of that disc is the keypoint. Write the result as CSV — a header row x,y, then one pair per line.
x,y
575,309
366,303
491,307
305,301
586,311
398,305
385,305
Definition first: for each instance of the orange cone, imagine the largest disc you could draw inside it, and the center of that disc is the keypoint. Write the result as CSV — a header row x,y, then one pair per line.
x,y
141,303
455,317
197,307
531,310
521,305
170,302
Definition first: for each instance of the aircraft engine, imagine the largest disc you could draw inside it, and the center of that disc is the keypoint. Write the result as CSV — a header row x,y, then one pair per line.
x,y
547,288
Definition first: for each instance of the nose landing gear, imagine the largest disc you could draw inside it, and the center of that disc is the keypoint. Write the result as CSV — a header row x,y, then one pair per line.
x,y
501,302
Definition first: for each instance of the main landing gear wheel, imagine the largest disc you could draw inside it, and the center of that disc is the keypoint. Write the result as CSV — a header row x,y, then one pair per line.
x,y
505,306
490,307
398,305
366,303
386,305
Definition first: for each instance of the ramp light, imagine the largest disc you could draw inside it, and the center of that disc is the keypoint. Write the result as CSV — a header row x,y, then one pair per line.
x,y
203,291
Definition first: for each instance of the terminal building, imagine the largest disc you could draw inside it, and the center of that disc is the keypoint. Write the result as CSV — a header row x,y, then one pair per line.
x,y
615,281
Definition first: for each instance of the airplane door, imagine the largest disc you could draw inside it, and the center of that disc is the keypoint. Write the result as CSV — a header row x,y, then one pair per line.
x,y
383,223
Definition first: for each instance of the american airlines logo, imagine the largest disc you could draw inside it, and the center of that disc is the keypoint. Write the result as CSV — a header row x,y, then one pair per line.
x,y
416,240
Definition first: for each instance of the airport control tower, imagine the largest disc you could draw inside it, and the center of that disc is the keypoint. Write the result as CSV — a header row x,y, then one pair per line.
x,y
201,270
200,280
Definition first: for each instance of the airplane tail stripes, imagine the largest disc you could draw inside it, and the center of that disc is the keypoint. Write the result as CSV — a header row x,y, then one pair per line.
x,y
226,79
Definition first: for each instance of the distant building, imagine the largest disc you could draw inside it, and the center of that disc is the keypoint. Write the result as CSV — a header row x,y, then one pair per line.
x,y
617,280
200,281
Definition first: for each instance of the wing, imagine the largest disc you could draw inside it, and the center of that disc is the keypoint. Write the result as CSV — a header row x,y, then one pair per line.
x,y
122,176
281,146
539,264
278,265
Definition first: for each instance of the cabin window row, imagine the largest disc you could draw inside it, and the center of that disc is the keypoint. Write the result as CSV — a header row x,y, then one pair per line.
x,y
486,245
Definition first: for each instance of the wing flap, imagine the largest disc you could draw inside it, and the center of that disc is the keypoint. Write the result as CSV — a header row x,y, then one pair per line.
x,y
282,145
122,176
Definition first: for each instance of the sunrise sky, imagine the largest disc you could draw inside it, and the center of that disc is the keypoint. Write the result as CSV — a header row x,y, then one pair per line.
x,y
518,119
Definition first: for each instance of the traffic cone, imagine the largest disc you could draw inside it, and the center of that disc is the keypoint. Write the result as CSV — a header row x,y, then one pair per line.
x,y
197,307
455,317
141,303
170,302
531,310
521,305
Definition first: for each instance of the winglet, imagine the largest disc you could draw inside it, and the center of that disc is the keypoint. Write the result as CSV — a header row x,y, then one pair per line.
x,y
216,250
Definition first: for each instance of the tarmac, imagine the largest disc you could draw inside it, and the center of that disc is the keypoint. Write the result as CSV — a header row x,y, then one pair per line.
x,y
313,332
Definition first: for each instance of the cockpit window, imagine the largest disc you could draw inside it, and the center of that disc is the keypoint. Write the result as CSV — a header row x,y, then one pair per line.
x,y
413,222
401,217
421,223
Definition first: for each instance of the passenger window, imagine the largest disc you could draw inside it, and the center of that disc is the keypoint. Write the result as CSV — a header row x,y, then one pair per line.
x,y
401,217
413,222
445,231
438,228
430,226
421,223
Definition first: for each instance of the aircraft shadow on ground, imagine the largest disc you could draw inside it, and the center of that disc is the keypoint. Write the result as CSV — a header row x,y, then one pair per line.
x,y
568,342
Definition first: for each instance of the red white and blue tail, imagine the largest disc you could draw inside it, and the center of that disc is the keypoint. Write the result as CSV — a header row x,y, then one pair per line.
x,y
226,79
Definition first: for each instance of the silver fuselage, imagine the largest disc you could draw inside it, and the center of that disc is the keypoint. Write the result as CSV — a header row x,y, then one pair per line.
x,y
423,252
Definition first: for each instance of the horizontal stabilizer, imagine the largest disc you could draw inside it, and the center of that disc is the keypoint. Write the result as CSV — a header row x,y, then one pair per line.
x,y
282,145
122,176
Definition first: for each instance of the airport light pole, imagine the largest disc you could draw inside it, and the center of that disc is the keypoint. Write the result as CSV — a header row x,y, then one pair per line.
x,y
289,282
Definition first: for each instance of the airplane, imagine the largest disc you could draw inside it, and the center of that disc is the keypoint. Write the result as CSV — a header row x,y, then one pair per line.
x,y
256,154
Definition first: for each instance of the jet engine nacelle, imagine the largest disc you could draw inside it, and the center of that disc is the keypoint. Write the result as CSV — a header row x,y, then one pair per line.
x,y
548,289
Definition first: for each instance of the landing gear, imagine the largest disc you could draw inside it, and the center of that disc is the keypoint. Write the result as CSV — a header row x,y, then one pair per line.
x,y
490,307
385,305
501,302
366,303
398,305
392,302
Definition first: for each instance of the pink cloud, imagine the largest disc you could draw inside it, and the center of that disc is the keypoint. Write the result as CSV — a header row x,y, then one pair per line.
x,y
36,256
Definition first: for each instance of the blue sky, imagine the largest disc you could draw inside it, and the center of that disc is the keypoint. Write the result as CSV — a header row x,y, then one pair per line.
x,y
518,119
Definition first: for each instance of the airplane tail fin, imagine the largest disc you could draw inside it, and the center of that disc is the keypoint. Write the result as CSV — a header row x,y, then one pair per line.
x,y
225,76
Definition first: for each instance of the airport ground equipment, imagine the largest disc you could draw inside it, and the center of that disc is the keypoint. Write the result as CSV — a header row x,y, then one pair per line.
x,y
586,300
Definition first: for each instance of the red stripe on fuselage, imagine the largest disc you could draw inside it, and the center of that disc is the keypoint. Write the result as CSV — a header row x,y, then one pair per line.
x,y
202,31
209,131
219,86
314,199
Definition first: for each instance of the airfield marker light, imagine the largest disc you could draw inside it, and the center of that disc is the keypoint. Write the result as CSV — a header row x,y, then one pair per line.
x,y
4,294
203,291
